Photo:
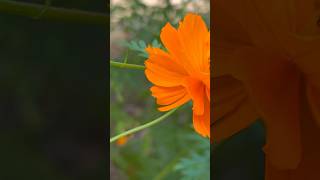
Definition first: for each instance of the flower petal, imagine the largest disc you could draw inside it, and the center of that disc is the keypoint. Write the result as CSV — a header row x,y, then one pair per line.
x,y
253,18
273,84
240,118
161,79
308,168
305,17
224,25
228,94
179,102
164,60
222,109
167,95
190,44
222,56
164,92
201,123
225,87
196,90
170,38
272,173
161,70
313,95
195,40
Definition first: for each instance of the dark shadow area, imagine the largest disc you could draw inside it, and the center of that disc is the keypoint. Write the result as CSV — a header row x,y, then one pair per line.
x,y
53,97
241,156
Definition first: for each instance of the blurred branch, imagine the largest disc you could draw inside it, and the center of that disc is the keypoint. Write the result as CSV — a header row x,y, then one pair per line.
x,y
37,11
126,65
144,126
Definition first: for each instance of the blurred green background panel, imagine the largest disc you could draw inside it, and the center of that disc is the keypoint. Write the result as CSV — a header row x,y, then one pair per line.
x,y
53,84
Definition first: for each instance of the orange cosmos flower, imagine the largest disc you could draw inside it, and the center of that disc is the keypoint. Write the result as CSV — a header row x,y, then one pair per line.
x,y
182,73
122,141
267,65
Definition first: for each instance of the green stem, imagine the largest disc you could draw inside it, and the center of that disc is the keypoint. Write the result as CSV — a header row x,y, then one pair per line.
x,y
37,11
126,65
144,126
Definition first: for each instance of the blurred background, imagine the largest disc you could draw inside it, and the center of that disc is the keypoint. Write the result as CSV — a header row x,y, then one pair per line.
x,y
53,84
170,149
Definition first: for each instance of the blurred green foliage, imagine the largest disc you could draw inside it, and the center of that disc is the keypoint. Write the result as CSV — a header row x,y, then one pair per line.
x,y
171,149
140,46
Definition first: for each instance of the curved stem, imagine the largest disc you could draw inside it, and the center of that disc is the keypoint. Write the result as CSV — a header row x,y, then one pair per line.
x,y
144,126
37,11
126,65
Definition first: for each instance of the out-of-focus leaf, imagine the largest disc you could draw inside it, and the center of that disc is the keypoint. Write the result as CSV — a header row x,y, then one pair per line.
x,y
197,164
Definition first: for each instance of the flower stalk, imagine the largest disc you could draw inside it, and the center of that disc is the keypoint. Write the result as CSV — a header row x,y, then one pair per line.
x,y
126,65
38,11
144,126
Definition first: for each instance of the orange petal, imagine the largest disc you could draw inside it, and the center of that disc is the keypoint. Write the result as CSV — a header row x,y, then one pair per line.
x,y
305,17
222,56
228,94
277,15
179,102
224,25
288,17
205,79
161,70
273,83
161,79
167,95
164,60
201,123
170,100
164,92
208,92
309,165
170,38
196,90
222,109
309,63
272,173
161,76
308,168
249,19
225,87
313,95
243,116
195,40
190,44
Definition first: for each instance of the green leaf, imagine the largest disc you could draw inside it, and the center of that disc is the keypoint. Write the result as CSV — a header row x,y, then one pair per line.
x,y
142,44
155,43
197,164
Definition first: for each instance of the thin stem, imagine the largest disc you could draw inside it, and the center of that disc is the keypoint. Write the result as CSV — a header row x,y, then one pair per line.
x,y
144,126
38,11
126,65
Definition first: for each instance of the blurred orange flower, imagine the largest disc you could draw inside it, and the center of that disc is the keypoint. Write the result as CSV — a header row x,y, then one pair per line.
x,y
182,73
267,65
122,141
